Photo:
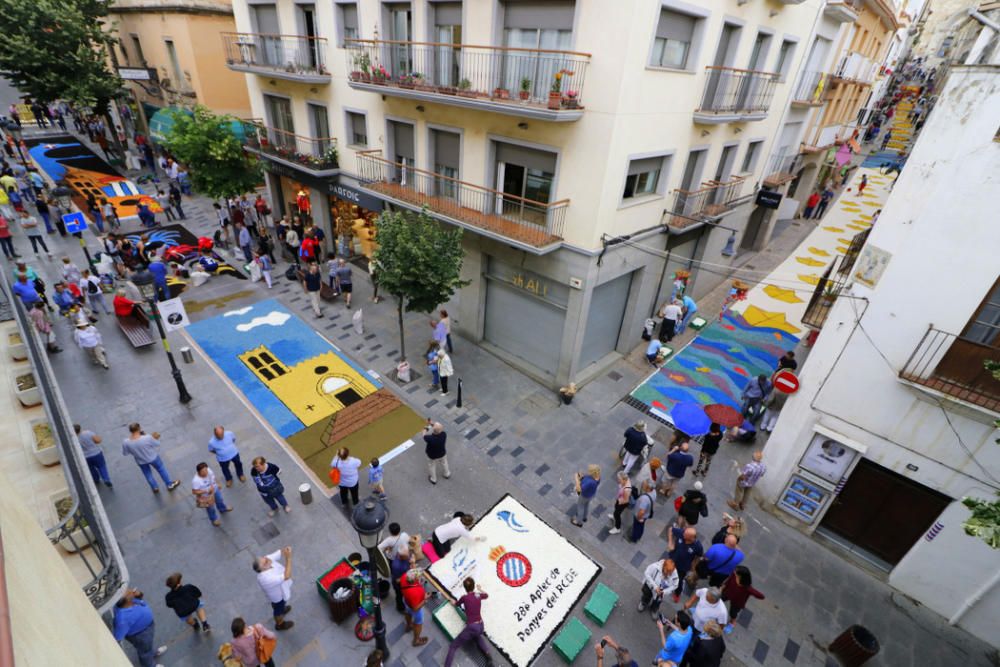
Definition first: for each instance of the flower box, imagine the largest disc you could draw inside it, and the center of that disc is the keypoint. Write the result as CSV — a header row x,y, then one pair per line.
x,y
447,90
355,76
555,100
427,87
16,347
26,390
79,532
501,93
43,443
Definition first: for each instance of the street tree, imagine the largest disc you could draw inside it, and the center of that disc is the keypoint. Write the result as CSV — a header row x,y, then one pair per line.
x,y
418,261
206,144
58,49
984,520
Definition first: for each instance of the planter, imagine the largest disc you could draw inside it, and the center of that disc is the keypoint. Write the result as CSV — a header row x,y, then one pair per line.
x,y
501,93
26,390
467,93
15,345
355,76
427,88
524,95
379,81
43,443
570,103
447,90
555,101
79,533
410,86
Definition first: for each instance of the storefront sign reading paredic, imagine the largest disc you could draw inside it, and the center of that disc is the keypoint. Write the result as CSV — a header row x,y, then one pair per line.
x,y
532,574
354,196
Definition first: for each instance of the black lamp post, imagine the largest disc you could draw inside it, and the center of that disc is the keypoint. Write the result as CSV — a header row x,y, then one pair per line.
x,y
147,285
368,519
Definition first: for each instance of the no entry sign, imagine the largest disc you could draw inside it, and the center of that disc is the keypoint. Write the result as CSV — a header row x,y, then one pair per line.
x,y
786,382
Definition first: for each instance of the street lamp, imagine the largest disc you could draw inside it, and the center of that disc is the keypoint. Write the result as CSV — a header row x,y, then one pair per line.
x,y
369,519
147,285
16,133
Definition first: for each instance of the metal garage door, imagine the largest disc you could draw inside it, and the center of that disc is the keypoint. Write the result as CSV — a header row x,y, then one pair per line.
x,y
524,325
604,321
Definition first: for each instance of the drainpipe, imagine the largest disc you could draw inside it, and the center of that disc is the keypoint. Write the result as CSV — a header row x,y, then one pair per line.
x,y
976,597
6,636
985,20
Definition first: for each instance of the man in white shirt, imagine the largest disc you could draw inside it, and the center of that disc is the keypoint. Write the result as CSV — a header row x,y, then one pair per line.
x,y
659,578
89,339
671,314
708,606
275,579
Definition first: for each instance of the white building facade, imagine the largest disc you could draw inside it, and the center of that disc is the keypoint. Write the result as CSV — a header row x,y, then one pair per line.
x,y
656,130
894,423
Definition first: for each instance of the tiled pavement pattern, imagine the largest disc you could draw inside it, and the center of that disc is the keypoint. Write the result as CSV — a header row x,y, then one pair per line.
x,y
511,435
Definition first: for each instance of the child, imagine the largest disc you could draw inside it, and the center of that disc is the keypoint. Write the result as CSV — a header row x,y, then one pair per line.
x,y
375,475
185,600
331,269
264,262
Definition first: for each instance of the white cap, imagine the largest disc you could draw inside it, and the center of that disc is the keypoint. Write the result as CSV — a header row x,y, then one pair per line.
x,y
697,486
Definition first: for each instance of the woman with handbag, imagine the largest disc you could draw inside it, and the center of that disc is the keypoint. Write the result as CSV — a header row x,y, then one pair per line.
x,y
265,476
253,644
207,493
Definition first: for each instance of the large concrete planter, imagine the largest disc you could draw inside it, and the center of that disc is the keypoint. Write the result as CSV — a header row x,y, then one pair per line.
x,y
26,389
62,502
16,347
43,443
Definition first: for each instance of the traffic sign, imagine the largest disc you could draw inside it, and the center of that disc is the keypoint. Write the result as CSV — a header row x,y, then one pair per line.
x,y
786,382
75,222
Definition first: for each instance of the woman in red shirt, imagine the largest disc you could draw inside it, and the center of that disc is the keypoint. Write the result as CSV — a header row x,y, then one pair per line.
x,y
126,307
737,590
5,239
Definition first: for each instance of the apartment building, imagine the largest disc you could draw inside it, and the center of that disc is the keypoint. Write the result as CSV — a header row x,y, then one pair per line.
x,y
169,55
588,151
846,61
894,423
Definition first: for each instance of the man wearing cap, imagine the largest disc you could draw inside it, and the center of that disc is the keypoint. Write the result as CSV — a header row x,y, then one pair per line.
x,y
89,339
636,440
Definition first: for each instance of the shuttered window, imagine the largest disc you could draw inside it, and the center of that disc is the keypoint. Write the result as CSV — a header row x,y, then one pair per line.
x,y
357,129
674,34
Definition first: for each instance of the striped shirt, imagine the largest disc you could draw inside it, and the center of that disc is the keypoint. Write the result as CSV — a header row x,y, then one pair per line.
x,y
751,474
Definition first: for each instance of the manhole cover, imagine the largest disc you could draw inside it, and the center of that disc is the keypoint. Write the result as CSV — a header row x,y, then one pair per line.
x,y
266,533
538,403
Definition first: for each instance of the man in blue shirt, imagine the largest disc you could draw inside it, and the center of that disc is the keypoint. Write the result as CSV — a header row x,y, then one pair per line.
x,y
26,291
223,445
690,308
678,461
721,559
677,643
159,271
134,624
756,390
684,549
586,487
653,350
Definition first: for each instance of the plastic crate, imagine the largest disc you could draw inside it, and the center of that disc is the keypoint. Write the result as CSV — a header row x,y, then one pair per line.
x,y
600,605
324,580
450,619
571,640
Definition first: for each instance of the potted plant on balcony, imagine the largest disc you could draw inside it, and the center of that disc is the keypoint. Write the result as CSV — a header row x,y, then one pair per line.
x,y
77,529
43,444
15,346
26,390
380,75
570,100
525,91
555,92
465,88
501,93
407,81
362,68
421,82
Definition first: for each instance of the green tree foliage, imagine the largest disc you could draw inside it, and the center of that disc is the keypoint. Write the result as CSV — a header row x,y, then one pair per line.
x,y
418,261
217,163
984,522
58,49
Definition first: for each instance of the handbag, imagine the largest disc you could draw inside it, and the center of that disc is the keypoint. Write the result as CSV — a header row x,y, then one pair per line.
x,y
205,500
265,647
335,475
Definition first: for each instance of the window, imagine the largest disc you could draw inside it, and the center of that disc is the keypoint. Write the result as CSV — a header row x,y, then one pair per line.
x,y
180,83
546,26
784,58
347,19
320,128
984,327
643,177
121,47
753,154
279,118
137,46
357,129
447,152
674,34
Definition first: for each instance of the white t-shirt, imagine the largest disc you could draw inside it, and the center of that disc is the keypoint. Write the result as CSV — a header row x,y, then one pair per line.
x,y
272,580
394,544
206,483
452,530
672,312
705,611
348,470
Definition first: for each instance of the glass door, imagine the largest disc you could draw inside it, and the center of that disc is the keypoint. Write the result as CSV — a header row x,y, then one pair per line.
x,y
447,55
308,56
519,183
279,112
536,71
321,129
402,29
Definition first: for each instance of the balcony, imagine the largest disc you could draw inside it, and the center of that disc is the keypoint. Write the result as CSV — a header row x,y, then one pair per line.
x,y
843,12
781,169
735,95
809,91
530,225
855,68
288,57
825,294
529,83
713,200
318,156
951,365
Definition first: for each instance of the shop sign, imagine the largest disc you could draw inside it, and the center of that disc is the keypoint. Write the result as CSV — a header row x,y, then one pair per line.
x,y
354,196
768,199
532,283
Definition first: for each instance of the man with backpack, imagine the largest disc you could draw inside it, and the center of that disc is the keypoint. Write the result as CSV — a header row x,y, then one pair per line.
x,y
642,512
754,393
636,443
91,286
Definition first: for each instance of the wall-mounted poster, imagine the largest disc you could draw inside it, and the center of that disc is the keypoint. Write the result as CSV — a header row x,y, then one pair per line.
x,y
803,499
827,458
871,265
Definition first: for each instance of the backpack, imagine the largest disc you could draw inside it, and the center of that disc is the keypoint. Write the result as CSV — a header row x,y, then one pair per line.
x,y
633,496
652,505
92,288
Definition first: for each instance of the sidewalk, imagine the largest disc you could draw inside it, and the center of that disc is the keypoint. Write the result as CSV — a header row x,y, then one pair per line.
x,y
512,435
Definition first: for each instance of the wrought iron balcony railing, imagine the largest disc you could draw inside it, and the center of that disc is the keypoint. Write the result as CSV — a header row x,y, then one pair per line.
x,y
736,92
290,57
781,169
953,365
85,524
318,155
508,80
712,200
529,223
809,91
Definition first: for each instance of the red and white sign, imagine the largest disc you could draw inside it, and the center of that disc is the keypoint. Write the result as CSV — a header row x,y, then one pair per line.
x,y
786,382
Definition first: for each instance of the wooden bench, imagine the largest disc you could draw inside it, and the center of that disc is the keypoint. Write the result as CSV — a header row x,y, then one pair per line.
x,y
136,329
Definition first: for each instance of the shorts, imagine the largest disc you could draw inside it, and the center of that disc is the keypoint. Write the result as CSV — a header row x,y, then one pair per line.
x,y
278,608
346,288
417,616
187,616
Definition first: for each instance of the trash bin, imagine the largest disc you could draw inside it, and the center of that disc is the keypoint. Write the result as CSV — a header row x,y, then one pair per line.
x,y
186,355
855,646
342,605
305,494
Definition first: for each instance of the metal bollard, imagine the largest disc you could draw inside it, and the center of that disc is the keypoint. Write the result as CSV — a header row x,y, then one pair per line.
x,y
458,401
187,355
305,494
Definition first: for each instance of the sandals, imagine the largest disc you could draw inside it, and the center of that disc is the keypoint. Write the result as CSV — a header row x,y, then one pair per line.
x,y
420,642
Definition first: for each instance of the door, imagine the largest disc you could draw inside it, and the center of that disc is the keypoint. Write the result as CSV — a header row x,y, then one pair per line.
x,y
401,30
448,37
882,513
686,201
524,326
751,83
307,52
268,43
279,120
536,25
402,148
962,364
723,172
754,223
604,319
320,128
526,175
718,80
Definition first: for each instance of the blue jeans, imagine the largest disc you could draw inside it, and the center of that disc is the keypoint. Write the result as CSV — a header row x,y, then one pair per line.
x,y
273,500
147,472
220,505
435,376
48,222
144,645
98,468
99,221
686,321
225,468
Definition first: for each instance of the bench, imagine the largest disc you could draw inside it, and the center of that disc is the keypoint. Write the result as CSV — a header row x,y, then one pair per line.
x,y
135,330
600,605
571,640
